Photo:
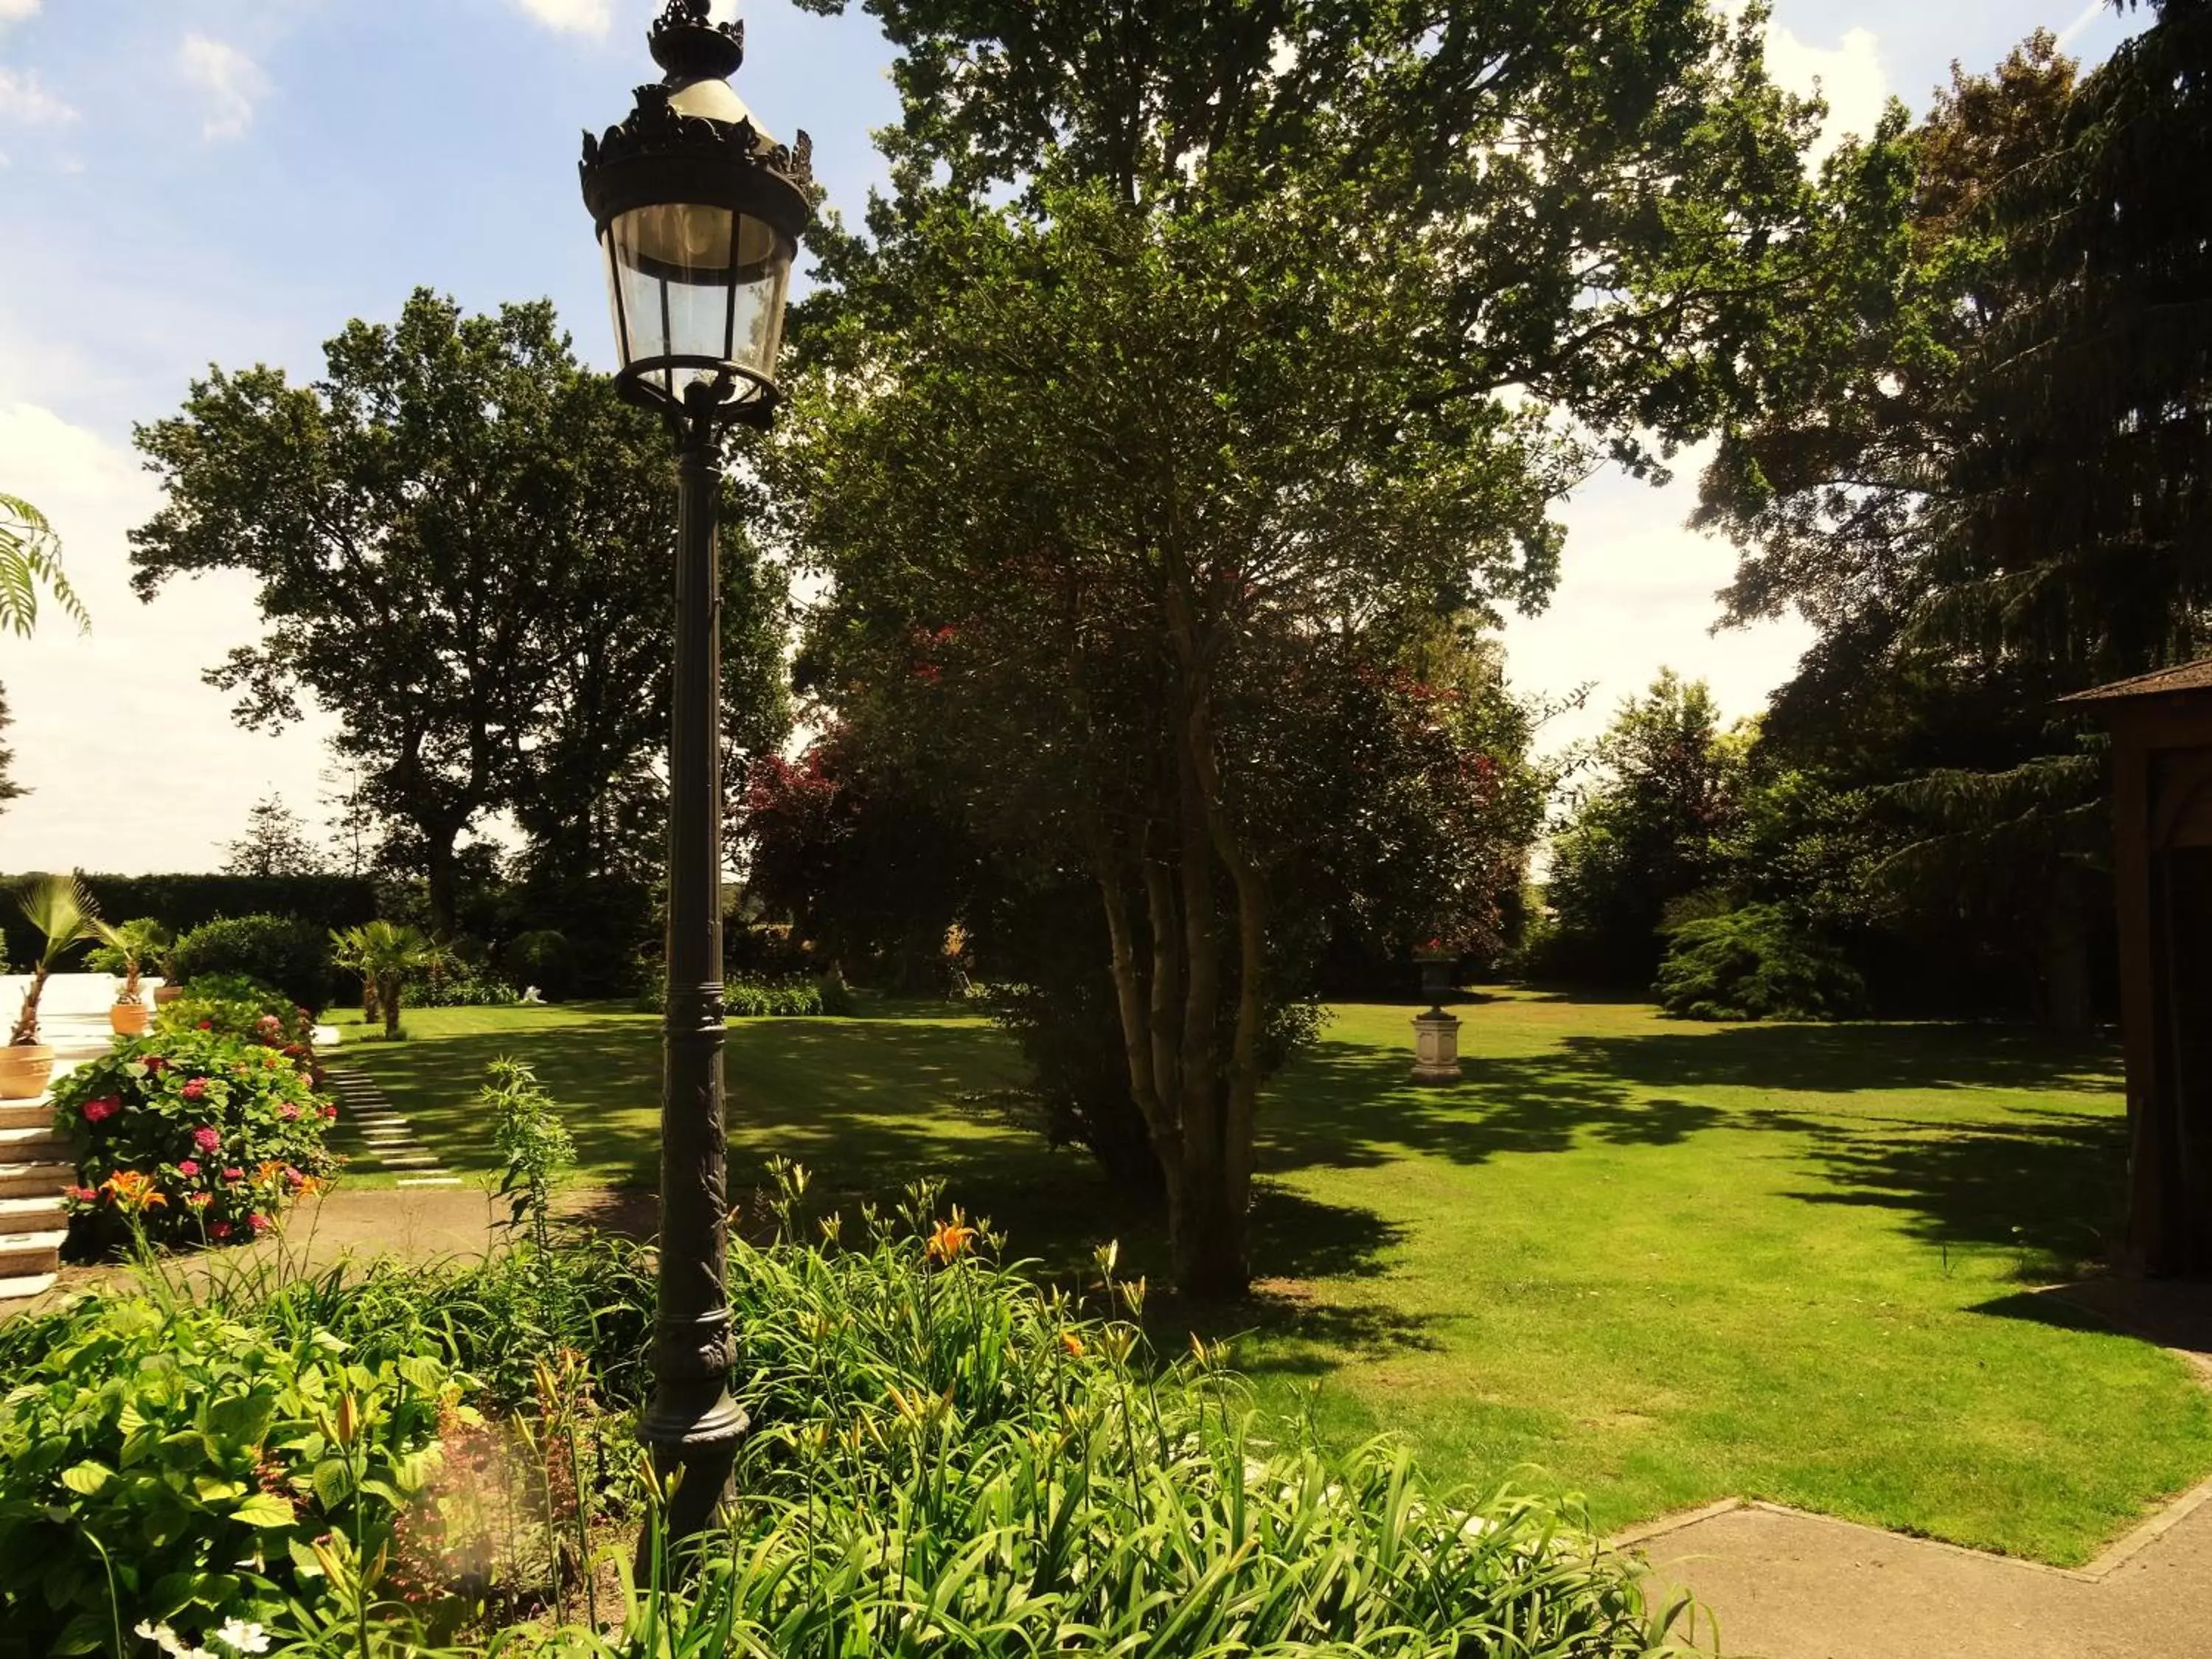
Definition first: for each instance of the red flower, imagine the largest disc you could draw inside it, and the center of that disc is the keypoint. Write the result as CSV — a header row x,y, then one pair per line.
x,y
206,1139
189,1168
99,1111
85,1194
154,1062
196,1090
331,1113
207,1026
219,1229
259,1222
233,1175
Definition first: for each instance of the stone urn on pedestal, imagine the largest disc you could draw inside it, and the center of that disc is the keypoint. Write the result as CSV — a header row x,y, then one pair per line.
x,y
1436,1034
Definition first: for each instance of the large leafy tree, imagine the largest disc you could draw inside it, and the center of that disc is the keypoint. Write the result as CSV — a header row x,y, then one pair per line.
x,y
1205,359
460,539
1986,481
1652,828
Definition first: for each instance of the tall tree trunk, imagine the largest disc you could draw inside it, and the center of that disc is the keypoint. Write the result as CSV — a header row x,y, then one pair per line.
x,y
388,997
443,870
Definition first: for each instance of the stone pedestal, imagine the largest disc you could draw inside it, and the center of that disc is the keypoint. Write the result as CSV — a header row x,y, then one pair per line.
x,y
1435,1047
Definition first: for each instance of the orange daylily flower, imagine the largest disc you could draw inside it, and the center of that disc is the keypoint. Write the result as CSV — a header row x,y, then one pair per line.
x,y
1073,1343
133,1192
952,1238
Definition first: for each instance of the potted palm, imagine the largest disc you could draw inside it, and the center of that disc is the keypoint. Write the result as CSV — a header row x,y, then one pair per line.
x,y
384,953
126,950
61,912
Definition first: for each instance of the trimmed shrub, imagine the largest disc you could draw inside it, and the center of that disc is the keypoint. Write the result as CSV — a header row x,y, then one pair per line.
x,y
1756,962
194,1135
459,987
289,956
162,1462
180,903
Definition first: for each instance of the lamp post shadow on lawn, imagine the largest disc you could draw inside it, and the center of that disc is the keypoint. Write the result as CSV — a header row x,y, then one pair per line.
x,y
698,214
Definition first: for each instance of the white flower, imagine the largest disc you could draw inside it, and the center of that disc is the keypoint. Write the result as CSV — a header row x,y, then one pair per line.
x,y
236,1633
162,1637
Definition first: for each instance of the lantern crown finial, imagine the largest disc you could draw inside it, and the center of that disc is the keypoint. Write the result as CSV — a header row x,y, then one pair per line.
x,y
691,47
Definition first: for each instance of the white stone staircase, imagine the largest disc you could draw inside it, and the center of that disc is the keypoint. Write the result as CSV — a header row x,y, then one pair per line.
x,y
37,1165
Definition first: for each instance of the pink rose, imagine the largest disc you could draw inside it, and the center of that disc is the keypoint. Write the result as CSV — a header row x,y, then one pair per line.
x,y
189,1168
99,1111
196,1090
206,1139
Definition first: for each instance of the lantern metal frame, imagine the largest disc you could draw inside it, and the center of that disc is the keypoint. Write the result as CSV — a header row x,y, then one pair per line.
x,y
665,153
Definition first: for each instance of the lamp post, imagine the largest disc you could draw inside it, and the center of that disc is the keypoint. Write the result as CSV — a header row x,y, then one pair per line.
x,y
699,215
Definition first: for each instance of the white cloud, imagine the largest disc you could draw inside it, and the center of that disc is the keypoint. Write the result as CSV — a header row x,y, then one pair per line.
x,y
1636,595
1849,75
134,764
231,83
15,11
572,16
23,99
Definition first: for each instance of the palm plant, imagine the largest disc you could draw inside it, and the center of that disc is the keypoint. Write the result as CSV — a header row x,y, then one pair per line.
x,y
30,558
64,914
129,946
384,953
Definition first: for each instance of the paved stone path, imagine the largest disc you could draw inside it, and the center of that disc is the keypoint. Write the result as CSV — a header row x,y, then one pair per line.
x,y
390,1142
1782,1584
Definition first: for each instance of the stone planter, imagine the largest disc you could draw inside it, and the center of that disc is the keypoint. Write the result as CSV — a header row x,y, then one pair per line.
x,y
164,994
1436,1048
129,1018
25,1070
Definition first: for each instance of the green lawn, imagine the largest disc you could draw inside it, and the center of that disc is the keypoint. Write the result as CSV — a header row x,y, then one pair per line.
x,y
1656,1263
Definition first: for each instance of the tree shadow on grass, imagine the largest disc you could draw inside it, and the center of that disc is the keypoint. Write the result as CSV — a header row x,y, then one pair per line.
x,y
2049,1185
1844,1059
1347,1106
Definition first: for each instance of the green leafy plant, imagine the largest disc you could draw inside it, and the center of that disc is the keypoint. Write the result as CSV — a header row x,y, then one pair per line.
x,y
386,955
125,949
1755,962
165,1464
290,955
191,1135
30,558
534,1149
63,916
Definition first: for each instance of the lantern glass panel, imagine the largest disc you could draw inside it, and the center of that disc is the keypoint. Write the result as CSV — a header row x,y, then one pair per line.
x,y
698,282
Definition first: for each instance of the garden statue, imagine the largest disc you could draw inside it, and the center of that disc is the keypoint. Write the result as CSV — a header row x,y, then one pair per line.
x,y
530,999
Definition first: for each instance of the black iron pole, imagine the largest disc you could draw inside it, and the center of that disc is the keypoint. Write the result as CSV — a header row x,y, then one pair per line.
x,y
692,1425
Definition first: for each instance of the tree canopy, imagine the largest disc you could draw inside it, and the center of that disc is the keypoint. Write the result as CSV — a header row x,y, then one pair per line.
x,y
460,538
1203,364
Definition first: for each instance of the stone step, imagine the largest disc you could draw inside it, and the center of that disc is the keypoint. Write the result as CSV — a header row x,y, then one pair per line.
x,y
39,1212
35,1179
36,1143
26,1114
411,1161
429,1180
24,1288
32,1252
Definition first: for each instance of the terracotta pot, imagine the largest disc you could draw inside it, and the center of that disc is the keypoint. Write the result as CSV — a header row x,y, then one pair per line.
x,y
164,994
25,1070
129,1018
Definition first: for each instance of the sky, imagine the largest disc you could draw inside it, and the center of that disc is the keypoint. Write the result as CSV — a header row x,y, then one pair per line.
x,y
186,183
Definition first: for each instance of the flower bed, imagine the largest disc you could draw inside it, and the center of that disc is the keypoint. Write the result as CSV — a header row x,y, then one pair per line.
x,y
195,1135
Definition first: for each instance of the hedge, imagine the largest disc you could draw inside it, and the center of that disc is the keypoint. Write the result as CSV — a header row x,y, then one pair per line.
x,y
181,903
